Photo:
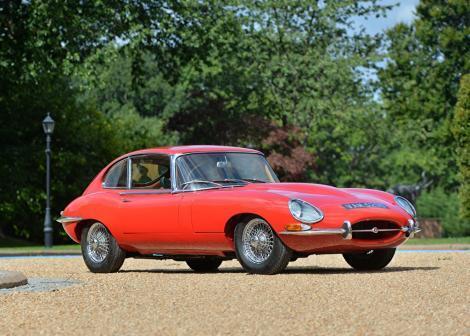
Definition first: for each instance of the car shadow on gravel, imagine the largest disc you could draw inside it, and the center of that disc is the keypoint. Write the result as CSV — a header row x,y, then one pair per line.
x,y
324,270
182,271
288,270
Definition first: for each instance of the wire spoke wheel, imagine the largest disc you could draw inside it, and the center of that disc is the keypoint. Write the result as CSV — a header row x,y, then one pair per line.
x,y
258,241
98,243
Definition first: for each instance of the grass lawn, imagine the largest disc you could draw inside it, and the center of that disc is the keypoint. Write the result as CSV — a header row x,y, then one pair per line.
x,y
11,245
35,248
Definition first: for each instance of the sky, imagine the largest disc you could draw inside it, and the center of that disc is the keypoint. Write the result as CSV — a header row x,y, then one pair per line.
x,y
404,12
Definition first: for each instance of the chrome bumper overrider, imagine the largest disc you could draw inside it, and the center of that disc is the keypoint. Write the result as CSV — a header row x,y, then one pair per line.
x,y
64,219
346,230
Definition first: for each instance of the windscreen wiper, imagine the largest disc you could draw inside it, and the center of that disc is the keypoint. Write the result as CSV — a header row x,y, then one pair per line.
x,y
231,180
252,180
201,181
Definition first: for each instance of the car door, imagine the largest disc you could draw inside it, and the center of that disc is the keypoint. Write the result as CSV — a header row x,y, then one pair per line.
x,y
149,210
211,209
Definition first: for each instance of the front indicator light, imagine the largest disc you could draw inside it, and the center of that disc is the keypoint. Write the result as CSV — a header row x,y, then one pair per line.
x,y
297,227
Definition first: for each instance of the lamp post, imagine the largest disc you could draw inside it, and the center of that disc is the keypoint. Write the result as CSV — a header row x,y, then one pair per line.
x,y
48,126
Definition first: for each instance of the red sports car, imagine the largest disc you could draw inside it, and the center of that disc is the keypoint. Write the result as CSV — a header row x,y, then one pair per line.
x,y
206,204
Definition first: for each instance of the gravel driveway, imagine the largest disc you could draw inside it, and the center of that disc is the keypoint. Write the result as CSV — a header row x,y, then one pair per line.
x,y
418,294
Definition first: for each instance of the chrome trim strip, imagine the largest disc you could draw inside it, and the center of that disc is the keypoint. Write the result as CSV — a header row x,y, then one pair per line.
x,y
173,171
313,232
146,192
65,219
129,172
345,231
377,230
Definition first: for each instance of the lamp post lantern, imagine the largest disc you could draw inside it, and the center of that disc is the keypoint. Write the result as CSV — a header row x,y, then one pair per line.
x,y
48,126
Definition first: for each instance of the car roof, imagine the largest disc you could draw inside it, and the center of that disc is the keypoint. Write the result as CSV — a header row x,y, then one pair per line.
x,y
193,149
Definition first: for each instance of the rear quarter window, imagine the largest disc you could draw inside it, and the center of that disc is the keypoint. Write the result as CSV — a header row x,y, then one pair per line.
x,y
117,175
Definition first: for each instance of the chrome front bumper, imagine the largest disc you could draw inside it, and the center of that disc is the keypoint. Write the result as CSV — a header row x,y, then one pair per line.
x,y
346,230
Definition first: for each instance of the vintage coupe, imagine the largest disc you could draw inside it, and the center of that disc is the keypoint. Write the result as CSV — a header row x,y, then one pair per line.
x,y
206,204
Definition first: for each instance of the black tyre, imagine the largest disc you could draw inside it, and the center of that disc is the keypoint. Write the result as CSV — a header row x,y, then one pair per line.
x,y
100,250
370,260
204,264
258,249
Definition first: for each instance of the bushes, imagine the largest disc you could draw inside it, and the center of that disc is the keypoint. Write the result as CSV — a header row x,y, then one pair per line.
x,y
444,206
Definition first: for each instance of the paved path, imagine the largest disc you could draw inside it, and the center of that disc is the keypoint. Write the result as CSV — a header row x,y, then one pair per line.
x,y
435,247
419,294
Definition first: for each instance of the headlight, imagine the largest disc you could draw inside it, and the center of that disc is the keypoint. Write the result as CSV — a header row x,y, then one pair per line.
x,y
305,212
406,205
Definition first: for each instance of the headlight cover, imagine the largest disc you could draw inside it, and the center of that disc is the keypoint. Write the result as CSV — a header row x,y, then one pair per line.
x,y
304,211
406,205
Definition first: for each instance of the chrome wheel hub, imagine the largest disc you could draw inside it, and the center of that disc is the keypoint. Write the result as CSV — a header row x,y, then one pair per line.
x,y
258,241
97,243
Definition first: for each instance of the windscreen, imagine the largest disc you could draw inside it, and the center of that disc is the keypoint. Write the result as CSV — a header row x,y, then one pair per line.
x,y
223,167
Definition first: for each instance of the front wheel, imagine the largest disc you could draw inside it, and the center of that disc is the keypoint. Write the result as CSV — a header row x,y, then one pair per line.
x,y
100,250
258,249
204,264
370,260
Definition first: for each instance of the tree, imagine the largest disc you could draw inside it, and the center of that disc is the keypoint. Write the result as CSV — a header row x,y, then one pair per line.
x,y
40,43
461,129
308,58
419,87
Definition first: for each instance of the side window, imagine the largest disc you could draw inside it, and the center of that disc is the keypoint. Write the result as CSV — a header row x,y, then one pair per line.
x,y
151,172
117,175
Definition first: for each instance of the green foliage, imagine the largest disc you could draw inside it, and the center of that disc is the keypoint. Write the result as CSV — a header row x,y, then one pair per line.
x,y
83,142
281,75
137,106
419,89
444,206
461,128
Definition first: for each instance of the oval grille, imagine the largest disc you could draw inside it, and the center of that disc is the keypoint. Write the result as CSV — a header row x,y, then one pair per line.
x,y
371,230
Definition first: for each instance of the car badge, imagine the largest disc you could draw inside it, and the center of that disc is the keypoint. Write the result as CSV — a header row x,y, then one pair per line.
x,y
359,205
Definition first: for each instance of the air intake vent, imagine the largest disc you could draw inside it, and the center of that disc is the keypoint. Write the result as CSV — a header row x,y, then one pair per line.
x,y
371,230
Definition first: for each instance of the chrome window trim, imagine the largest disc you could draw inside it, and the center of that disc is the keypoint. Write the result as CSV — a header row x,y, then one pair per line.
x,y
107,172
129,172
176,156
173,171
146,155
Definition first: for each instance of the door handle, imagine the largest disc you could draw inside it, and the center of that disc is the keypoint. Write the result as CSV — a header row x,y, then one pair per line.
x,y
125,200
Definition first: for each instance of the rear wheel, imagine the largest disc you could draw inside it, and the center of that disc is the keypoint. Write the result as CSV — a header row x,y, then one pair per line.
x,y
370,260
258,249
100,250
204,264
